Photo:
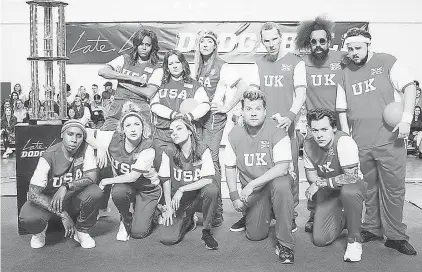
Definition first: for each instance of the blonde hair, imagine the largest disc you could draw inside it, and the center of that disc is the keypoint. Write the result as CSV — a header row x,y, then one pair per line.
x,y
198,62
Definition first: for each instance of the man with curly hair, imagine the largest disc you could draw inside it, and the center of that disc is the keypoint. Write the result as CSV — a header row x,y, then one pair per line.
x,y
370,82
323,71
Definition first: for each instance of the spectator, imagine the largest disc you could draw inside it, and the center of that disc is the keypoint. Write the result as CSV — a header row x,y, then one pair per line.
x,y
418,94
5,105
71,113
106,103
97,112
8,122
95,89
69,98
29,103
18,88
82,113
13,97
20,111
108,88
416,130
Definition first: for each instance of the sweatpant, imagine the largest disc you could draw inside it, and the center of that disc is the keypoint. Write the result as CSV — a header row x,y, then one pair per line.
x,y
113,117
82,205
384,170
211,134
275,196
204,200
330,219
139,225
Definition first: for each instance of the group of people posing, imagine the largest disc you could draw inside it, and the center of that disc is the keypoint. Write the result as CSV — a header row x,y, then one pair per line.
x,y
163,158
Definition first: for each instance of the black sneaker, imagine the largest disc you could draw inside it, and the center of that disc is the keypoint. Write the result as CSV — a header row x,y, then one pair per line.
x,y
217,220
285,254
239,225
210,242
309,226
369,236
401,246
294,226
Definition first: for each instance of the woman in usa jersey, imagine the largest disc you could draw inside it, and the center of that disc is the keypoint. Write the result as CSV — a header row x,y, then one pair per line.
x,y
187,171
134,178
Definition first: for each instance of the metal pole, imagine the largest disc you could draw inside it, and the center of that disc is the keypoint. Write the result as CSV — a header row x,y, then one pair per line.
x,y
34,53
48,52
61,51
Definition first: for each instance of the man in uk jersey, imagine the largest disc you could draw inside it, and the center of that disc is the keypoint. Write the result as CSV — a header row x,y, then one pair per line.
x,y
370,82
323,71
262,154
332,167
282,77
64,185
134,74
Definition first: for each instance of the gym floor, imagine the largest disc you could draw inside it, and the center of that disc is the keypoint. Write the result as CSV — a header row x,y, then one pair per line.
x,y
235,253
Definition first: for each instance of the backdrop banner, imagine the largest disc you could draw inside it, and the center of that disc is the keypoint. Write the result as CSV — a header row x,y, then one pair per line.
x,y
99,43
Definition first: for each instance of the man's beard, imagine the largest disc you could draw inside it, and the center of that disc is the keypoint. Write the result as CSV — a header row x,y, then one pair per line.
x,y
363,61
320,55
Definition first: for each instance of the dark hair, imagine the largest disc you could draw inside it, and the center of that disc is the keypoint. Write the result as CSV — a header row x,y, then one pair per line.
x,y
416,83
11,94
420,113
358,32
319,114
68,87
198,147
97,97
137,40
166,71
254,95
95,85
303,38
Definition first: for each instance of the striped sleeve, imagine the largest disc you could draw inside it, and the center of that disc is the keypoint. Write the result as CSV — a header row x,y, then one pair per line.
x,y
309,166
400,76
299,75
282,150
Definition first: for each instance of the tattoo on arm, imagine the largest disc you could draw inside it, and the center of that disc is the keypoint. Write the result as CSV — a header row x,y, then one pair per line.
x,y
36,196
81,183
350,176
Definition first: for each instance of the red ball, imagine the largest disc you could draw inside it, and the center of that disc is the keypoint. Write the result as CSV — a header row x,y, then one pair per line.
x,y
393,113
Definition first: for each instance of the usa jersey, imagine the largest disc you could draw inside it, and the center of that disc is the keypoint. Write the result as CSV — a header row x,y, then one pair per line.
x,y
54,168
189,172
322,81
140,159
122,65
364,92
255,155
330,162
172,95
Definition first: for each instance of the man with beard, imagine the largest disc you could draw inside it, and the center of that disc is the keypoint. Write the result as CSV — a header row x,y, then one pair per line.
x,y
370,82
322,72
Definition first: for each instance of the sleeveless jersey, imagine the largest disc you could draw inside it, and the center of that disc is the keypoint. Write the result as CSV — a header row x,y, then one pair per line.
x,y
368,91
254,155
322,81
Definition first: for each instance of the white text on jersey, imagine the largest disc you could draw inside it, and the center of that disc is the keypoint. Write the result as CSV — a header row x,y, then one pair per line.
x,y
255,159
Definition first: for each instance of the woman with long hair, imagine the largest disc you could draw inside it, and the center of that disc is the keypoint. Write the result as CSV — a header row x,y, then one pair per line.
x,y
217,78
18,89
20,111
136,78
177,85
187,171
8,122
416,130
134,179
14,96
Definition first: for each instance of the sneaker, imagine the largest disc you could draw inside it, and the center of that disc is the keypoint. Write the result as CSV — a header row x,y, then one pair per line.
x,y
309,226
369,236
210,242
38,240
353,252
239,225
217,220
122,234
401,246
285,254
104,212
84,239
294,226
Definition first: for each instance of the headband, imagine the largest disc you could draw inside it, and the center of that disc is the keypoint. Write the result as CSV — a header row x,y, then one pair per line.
x,y
357,39
74,123
129,114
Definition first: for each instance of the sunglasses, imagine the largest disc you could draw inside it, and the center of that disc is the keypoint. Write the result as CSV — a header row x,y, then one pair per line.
x,y
321,41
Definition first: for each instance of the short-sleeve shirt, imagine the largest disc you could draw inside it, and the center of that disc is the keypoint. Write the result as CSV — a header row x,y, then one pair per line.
x,y
255,155
54,168
189,172
330,162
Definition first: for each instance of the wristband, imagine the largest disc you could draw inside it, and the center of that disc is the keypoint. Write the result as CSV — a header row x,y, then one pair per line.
x,y
172,115
65,184
330,182
234,195
407,118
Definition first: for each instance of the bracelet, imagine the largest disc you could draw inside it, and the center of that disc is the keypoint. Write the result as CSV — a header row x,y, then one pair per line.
x,y
234,195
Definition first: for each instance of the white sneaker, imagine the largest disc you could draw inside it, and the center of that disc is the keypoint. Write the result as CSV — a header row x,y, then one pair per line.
x,y
122,234
38,240
84,239
353,252
103,213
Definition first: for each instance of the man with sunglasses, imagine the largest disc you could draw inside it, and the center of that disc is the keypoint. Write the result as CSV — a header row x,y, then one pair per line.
x,y
370,82
323,71
282,77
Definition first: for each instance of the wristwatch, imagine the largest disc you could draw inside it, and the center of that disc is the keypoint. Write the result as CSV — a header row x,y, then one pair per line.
x,y
65,184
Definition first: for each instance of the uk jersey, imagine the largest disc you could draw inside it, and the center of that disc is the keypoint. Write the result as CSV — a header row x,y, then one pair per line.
x,y
364,92
322,81
123,162
330,162
54,168
255,155
189,172
122,65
